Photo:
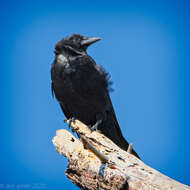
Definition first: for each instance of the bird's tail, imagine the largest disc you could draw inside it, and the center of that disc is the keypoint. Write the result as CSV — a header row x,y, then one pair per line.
x,y
110,128
113,132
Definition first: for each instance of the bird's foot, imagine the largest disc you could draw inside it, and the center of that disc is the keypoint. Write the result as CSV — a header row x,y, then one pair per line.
x,y
70,121
95,126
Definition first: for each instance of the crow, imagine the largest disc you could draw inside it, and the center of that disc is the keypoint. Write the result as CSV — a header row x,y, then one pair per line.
x,y
82,88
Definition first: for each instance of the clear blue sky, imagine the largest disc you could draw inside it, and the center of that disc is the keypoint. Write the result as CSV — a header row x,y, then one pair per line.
x,y
145,47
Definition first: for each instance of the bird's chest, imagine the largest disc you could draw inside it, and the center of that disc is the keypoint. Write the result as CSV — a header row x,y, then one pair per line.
x,y
62,67
70,70
66,76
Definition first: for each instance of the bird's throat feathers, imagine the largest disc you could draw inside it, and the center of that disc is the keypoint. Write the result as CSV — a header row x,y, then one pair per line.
x,y
62,59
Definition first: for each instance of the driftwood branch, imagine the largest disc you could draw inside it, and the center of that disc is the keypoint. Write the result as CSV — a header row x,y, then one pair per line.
x,y
95,162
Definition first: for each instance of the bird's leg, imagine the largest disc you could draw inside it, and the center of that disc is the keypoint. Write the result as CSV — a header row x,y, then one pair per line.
x,y
95,126
99,119
72,119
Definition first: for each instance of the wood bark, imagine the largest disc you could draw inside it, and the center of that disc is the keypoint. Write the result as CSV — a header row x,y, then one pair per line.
x,y
95,162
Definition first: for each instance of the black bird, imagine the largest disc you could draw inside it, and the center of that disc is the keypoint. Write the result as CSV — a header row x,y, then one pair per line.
x,y
82,88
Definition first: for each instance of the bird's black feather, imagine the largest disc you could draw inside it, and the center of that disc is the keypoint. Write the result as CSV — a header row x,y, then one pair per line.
x,y
82,88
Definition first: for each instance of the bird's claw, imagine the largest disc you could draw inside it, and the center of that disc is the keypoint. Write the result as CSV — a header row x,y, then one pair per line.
x,y
71,120
95,126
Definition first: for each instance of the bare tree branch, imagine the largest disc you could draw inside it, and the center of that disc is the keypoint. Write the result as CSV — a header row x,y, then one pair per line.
x,y
95,162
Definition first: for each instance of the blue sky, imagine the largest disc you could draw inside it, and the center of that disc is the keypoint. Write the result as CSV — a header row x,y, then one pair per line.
x,y
145,48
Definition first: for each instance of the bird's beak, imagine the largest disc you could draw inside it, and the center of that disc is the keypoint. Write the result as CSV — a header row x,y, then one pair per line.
x,y
89,41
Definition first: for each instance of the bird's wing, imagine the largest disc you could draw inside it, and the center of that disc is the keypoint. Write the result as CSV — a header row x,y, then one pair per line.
x,y
90,80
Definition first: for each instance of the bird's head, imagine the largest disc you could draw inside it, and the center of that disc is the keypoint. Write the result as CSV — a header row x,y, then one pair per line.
x,y
75,44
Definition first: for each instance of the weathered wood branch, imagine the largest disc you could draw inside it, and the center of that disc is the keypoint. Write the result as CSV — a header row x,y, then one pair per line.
x,y
95,162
